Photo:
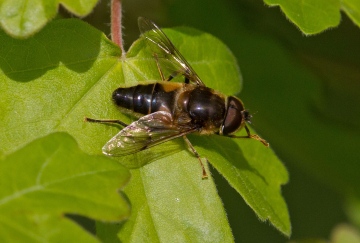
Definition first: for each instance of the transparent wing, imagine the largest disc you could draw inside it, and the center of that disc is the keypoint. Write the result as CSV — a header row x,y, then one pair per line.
x,y
146,132
168,56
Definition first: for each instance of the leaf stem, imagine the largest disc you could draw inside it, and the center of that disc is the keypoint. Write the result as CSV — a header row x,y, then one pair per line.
x,y
116,27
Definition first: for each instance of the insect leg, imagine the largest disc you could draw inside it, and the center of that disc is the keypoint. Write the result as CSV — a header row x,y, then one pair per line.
x,y
254,136
158,67
87,119
204,174
172,75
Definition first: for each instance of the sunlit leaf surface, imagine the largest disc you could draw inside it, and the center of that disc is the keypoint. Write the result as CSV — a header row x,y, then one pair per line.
x,y
309,16
51,177
21,18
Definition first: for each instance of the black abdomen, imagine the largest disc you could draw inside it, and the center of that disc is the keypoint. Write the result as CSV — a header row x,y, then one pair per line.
x,y
145,99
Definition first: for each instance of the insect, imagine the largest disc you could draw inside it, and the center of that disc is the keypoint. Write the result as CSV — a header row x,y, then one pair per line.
x,y
170,110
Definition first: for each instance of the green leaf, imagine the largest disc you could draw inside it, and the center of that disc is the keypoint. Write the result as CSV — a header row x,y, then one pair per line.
x,y
46,80
50,177
254,171
313,17
50,84
21,18
352,9
172,203
310,16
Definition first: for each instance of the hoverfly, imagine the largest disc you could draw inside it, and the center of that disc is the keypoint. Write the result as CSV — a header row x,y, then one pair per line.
x,y
171,109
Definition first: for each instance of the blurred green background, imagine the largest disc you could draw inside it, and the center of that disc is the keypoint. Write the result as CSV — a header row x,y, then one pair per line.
x,y
304,92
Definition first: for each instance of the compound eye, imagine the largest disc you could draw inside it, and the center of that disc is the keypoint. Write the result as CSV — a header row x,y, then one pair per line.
x,y
233,118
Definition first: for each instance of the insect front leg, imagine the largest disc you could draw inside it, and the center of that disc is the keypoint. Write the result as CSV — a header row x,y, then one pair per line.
x,y
87,119
253,136
256,137
204,174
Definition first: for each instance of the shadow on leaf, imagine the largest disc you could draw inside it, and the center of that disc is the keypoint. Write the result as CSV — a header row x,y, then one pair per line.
x,y
226,150
64,42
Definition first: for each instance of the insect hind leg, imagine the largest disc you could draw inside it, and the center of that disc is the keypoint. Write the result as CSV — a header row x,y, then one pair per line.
x,y
204,174
87,119
172,75
159,68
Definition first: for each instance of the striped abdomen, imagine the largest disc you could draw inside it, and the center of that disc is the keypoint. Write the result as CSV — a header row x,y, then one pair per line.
x,y
148,98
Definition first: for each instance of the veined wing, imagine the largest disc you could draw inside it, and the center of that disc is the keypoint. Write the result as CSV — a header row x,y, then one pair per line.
x,y
146,132
169,57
